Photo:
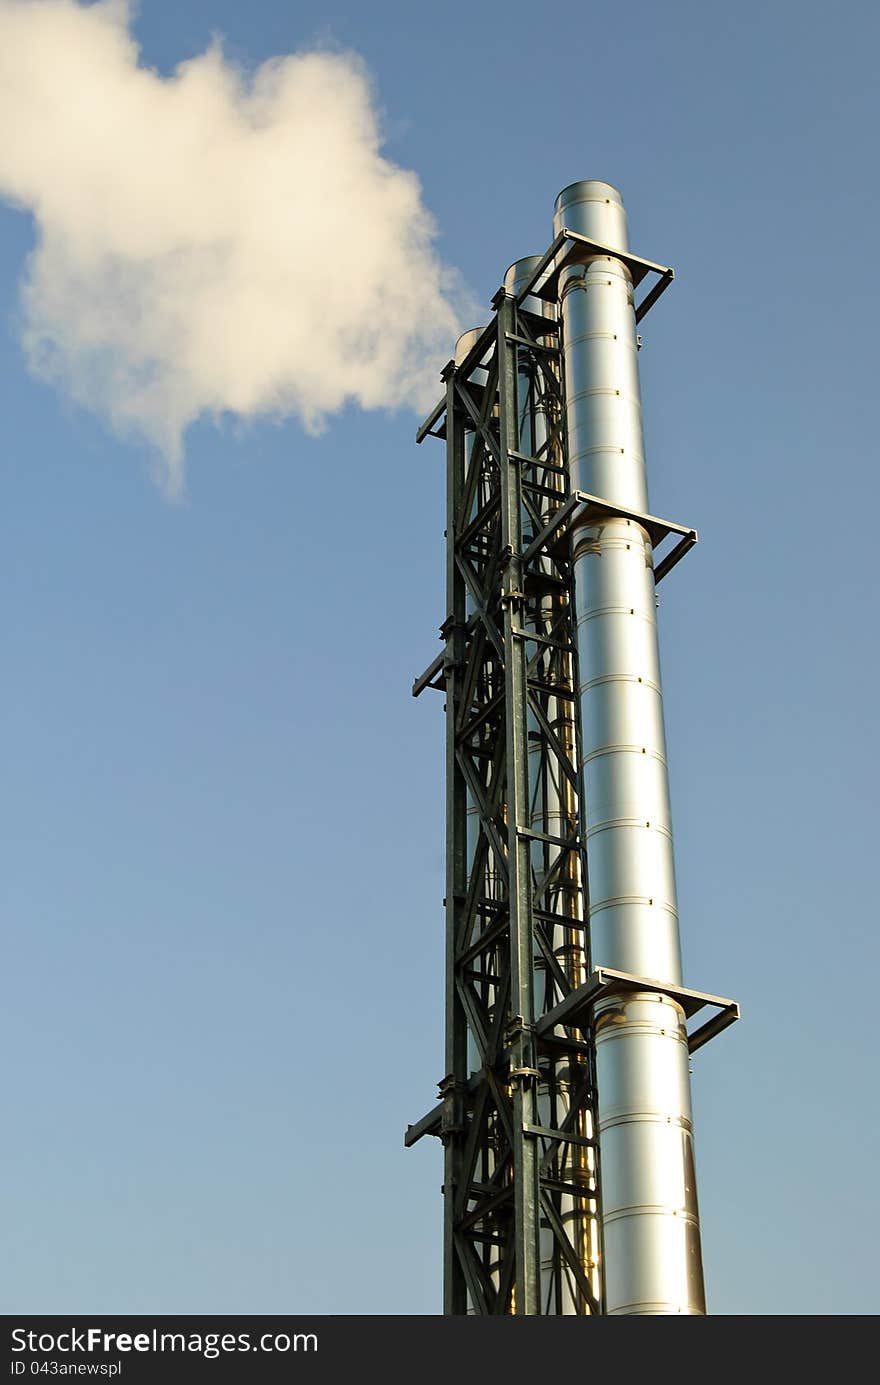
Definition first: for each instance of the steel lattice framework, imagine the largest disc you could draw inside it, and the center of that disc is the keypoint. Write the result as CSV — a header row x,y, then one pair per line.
x,y
520,1167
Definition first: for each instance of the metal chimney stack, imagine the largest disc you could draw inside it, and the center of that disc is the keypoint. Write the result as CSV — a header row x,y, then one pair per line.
x,y
565,1113
650,1224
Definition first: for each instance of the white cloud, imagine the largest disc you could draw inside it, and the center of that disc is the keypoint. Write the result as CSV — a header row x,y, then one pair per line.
x,y
212,241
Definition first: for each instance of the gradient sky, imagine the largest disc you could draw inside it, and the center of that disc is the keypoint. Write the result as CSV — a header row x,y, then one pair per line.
x,y
221,818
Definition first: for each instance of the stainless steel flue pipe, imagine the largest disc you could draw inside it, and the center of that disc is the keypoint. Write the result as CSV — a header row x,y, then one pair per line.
x,y
651,1233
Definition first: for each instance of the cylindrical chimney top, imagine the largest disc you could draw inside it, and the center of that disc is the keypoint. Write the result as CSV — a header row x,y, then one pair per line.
x,y
519,273
593,209
515,280
465,342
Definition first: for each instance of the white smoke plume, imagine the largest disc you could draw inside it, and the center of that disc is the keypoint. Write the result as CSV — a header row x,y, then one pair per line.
x,y
214,241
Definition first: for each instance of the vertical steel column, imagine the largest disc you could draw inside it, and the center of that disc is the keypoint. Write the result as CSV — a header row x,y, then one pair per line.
x,y
455,1083
521,1031
649,1210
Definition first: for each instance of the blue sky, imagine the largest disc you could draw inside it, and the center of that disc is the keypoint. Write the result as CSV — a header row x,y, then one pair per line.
x,y
222,813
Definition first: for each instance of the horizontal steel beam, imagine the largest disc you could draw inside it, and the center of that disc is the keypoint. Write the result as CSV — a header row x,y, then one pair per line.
x,y
564,1137
427,428
426,679
428,1125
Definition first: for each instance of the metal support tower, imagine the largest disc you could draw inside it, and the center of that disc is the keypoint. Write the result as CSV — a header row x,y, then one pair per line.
x,y
550,1049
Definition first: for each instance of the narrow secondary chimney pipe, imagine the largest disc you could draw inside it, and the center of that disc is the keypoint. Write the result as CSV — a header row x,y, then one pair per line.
x,y
651,1232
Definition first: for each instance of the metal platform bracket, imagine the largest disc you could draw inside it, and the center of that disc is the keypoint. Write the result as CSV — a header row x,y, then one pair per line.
x,y
577,1008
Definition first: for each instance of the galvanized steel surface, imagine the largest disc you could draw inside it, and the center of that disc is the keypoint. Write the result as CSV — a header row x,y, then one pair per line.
x,y
651,1237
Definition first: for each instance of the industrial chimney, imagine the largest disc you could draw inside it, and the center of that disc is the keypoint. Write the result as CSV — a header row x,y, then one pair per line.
x,y
565,1110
